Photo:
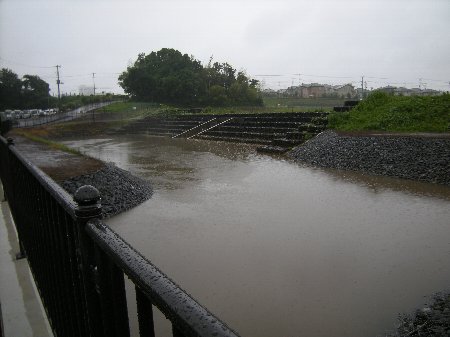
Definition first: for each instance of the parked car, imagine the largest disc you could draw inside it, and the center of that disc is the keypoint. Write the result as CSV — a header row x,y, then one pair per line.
x,y
18,114
33,112
8,114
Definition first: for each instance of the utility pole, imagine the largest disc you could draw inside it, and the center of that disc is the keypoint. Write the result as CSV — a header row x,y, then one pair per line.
x,y
93,80
362,86
58,82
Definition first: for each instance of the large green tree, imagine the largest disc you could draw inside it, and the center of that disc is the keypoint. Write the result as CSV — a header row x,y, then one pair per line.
x,y
35,92
29,92
10,89
164,76
168,76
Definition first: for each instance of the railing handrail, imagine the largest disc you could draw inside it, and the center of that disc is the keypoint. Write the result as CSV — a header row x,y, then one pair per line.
x,y
79,271
177,305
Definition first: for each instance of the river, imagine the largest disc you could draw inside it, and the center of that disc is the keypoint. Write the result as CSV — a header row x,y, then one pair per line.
x,y
278,249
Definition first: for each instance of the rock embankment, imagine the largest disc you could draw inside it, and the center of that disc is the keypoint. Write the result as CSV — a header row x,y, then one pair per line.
x,y
119,189
409,157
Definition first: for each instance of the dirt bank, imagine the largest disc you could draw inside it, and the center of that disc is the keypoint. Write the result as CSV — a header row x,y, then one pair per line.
x,y
119,189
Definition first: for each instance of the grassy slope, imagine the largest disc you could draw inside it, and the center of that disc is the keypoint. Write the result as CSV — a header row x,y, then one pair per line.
x,y
54,145
270,105
302,104
382,112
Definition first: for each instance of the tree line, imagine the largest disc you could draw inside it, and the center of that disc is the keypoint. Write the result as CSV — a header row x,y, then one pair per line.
x,y
168,76
32,92
27,92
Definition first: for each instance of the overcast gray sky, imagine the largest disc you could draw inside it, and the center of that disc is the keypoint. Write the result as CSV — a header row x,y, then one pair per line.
x,y
393,42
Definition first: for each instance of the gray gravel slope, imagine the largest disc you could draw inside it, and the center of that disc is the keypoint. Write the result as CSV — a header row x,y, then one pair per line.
x,y
119,189
418,158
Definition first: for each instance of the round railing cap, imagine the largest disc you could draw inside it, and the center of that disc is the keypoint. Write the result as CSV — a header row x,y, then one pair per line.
x,y
86,195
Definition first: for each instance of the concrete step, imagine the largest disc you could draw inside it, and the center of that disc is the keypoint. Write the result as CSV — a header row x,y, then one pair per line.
x,y
299,136
311,128
272,149
256,128
272,120
284,142
241,134
234,139
181,124
199,128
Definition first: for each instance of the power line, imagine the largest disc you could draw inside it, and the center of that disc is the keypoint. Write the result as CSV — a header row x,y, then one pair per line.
x,y
378,78
24,65
322,76
430,79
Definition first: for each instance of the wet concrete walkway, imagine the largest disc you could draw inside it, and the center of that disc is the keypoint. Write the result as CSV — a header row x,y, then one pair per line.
x,y
22,311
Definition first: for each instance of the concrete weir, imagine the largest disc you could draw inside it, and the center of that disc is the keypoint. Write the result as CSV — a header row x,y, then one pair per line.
x,y
275,132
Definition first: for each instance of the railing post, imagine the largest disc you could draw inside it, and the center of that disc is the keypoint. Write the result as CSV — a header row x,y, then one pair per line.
x,y
11,194
9,142
104,281
145,314
88,207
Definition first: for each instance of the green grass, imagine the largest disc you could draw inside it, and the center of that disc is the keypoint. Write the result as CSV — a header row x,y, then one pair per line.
x,y
49,143
300,104
129,109
132,110
383,112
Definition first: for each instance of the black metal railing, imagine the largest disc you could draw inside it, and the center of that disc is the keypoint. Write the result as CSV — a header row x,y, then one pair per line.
x,y
78,262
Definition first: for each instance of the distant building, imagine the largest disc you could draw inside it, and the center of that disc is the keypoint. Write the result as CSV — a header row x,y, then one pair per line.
x,y
269,92
315,90
401,91
85,90
388,89
346,90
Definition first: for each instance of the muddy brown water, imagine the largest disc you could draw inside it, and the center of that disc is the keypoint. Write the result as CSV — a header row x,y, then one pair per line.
x,y
279,249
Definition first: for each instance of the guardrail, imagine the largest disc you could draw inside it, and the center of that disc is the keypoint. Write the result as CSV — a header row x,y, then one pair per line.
x,y
78,262
60,117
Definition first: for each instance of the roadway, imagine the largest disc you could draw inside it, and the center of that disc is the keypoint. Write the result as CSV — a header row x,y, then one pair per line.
x,y
60,117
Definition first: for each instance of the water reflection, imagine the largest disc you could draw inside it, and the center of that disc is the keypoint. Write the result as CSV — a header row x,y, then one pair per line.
x,y
379,184
277,249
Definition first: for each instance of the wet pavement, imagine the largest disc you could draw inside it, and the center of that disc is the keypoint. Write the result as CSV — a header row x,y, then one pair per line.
x,y
22,311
